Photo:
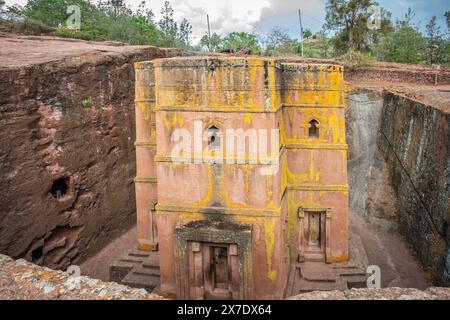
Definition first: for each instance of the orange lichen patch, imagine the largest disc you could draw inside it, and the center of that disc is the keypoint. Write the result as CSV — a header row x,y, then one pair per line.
x,y
269,228
227,87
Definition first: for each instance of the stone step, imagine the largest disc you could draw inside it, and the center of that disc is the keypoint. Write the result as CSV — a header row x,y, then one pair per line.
x,y
139,269
345,265
303,285
317,271
152,261
120,268
145,270
139,254
355,281
126,262
350,272
149,282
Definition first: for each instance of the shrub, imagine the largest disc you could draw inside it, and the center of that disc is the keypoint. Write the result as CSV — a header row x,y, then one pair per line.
x,y
26,26
357,60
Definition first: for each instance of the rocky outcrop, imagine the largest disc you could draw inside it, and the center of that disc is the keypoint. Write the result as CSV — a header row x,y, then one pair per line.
x,y
67,158
433,293
21,280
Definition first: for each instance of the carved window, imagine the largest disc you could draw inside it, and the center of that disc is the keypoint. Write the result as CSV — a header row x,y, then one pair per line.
x,y
213,138
313,129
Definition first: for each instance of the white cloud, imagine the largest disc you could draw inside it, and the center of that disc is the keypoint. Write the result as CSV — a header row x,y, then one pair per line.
x,y
277,7
225,16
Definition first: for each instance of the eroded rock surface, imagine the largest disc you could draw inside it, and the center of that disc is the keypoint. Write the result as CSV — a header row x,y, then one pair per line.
x,y
433,293
398,168
67,158
26,281
23,280
414,143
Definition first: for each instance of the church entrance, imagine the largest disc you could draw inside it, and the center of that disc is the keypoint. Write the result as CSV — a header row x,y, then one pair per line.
x,y
217,275
314,228
213,260
213,271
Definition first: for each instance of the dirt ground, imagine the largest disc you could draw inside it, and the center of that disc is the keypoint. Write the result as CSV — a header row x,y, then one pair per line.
x,y
98,266
388,250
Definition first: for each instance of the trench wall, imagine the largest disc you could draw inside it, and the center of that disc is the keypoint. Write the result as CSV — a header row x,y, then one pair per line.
x,y
414,142
399,172
67,155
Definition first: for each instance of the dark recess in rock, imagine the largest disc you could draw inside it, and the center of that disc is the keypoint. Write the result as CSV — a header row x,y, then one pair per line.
x,y
60,187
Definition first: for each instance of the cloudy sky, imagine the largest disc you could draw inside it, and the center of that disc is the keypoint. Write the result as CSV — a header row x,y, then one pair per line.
x,y
262,15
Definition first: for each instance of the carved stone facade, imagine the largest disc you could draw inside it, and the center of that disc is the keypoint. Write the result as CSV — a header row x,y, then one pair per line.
x,y
227,223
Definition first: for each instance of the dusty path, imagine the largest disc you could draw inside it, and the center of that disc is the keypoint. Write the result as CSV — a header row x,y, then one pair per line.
x,y
98,266
388,250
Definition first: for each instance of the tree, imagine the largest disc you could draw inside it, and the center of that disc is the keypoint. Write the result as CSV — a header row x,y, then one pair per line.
x,y
212,43
3,10
277,37
307,34
279,42
349,18
324,45
386,26
404,43
145,12
168,26
433,40
185,32
447,19
10,12
242,42
118,7
52,13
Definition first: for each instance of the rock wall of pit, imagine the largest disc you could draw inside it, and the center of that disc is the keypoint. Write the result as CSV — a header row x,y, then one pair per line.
x,y
399,172
67,155
414,142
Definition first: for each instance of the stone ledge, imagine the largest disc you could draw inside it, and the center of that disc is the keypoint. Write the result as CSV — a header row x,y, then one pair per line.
x,y
433,293
22,280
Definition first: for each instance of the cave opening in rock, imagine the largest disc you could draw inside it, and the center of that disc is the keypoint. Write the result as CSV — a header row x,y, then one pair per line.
x,y
36,254
60,188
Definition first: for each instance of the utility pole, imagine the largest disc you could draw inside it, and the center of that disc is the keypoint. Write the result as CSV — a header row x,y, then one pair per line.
x,y
301,28
209,33
209,28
